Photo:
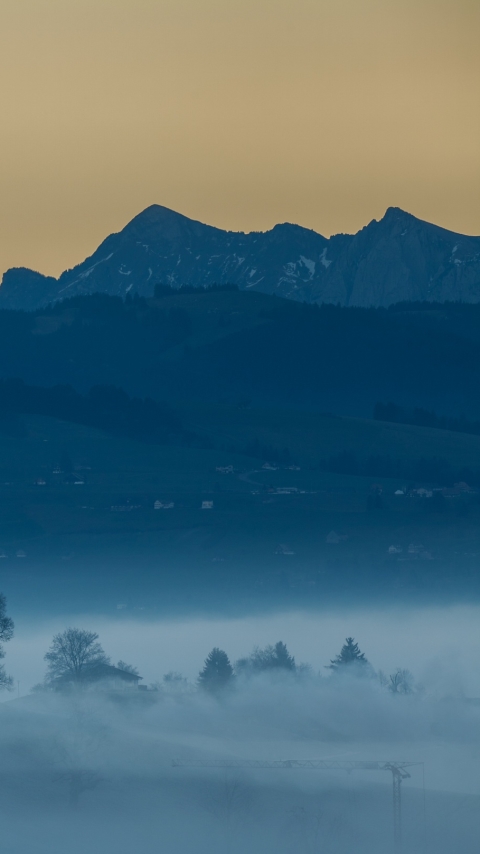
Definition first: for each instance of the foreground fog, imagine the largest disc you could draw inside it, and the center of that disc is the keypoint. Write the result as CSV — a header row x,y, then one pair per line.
x,y
91,769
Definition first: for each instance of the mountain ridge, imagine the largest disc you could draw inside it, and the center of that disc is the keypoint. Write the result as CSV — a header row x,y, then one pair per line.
x,y
394,259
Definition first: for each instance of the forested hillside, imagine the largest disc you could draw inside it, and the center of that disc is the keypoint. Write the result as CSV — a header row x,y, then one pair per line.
x,y
252,349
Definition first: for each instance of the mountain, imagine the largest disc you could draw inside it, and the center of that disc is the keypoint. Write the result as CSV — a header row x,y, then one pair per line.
x,y
399,258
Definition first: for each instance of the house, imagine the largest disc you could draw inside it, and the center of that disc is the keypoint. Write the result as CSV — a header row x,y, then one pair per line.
x,y
333,538
101,676
224,469
163,505
399,492
270,467
40,482
395,550
2,553
21,553
286,490
207,505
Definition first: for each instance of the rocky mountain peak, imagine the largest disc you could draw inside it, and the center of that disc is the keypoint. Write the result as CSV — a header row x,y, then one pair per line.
x,y
396,258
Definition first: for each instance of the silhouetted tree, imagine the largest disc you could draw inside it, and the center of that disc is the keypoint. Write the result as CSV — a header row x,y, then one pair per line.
x,y
400,682
275,657
217,671
6,634
349,655
71,653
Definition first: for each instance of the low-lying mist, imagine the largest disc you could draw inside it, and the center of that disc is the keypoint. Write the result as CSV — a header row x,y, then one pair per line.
x,y
91,769
439,645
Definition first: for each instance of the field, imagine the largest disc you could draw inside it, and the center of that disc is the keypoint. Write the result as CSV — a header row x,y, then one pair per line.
x,y
311,437
256,542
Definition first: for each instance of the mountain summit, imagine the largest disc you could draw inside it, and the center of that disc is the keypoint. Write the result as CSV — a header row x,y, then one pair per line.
x,y
391,260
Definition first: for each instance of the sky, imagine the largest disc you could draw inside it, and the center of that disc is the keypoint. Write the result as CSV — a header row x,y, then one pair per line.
x,y
239,113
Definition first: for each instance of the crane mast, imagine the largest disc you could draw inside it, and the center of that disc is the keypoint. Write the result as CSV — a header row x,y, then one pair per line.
x,y
398,771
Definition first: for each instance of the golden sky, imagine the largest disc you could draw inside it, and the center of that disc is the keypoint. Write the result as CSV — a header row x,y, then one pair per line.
x,y
239,113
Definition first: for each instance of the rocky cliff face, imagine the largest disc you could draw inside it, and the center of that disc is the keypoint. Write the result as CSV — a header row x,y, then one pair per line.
x,y
398,258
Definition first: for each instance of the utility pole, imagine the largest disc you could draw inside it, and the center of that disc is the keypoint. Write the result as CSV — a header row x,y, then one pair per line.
x,y
397,769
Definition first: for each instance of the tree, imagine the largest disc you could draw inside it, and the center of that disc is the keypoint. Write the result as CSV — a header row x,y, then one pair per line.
x,y
217,671
6,634
273,658
349,656
400,682
72,653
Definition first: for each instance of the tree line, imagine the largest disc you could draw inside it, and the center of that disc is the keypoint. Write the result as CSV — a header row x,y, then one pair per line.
x,y
218,674
425,469
161,290
419,417
313,356
76,655
105,407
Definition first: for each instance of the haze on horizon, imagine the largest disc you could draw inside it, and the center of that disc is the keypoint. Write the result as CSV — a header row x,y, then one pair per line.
x,y
238,114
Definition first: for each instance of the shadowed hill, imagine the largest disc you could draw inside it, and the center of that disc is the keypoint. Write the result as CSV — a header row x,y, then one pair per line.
x,y
252,349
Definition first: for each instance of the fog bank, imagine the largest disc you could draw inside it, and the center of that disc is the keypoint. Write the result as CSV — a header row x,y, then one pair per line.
x,y
439,645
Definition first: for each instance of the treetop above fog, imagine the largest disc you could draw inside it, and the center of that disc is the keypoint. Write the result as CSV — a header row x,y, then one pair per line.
x,y
349,655
72,652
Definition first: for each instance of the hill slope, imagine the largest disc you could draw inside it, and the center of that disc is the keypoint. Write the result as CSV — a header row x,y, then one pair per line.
x,y
100,542
398,258
250,348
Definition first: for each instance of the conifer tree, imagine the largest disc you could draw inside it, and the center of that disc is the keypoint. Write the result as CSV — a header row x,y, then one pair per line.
x,y
217,671
349,655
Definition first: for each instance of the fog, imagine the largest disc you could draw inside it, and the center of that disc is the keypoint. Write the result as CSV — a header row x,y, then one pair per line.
x,y
439,645
91,770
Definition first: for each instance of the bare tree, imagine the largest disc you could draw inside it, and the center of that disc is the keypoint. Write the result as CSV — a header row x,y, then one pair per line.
x,y
400,682
6,634
72,652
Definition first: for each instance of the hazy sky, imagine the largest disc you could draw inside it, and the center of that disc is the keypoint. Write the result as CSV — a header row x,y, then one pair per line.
x,y
240,113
